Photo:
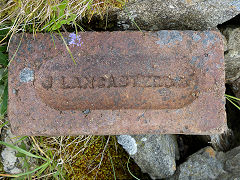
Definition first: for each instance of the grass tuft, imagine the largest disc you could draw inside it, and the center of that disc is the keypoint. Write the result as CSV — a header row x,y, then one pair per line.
x,y
44,15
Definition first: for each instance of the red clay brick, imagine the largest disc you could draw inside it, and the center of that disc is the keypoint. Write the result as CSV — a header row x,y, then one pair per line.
x,y
122,83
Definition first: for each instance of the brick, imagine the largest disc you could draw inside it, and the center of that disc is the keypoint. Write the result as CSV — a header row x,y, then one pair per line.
x,y
122,83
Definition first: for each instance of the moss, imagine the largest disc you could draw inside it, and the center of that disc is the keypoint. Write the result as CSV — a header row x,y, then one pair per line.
x,y
86,164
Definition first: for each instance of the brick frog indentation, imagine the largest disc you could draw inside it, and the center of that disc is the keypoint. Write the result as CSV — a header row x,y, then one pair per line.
x,y
102,86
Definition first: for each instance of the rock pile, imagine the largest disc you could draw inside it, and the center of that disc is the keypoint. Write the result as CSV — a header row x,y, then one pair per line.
x,y
158,155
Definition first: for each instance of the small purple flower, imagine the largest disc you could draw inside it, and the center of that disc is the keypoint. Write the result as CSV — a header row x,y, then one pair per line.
x,y
75,39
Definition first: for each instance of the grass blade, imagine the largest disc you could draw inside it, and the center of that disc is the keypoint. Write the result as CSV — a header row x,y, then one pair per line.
x,y
30,172
69,51
21,139
4,100
130,171
232,97
3,59
233,103
3,124
114,174
42,170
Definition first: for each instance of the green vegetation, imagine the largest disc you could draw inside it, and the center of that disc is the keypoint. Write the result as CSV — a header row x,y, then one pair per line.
x,y
3,73
68,157
233,100
45,15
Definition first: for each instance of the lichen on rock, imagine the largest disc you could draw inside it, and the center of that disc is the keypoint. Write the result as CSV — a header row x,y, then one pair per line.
x,y
26,75
128,143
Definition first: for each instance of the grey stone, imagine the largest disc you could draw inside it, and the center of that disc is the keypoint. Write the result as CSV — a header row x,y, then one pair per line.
x,y
13,164
128,143
210,164
229,176
231,165
204,164
232,53
221,142
154,154
176,14
232,58
8,155
26,75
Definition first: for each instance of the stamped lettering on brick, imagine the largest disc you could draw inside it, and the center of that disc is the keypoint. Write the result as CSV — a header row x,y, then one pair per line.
x,y
110,81
73,89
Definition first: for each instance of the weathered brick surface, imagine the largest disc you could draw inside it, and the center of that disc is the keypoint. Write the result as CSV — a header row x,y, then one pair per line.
x,y
122,83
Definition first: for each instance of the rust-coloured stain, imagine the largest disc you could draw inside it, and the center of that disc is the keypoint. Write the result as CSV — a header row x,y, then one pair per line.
x,y
122,83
